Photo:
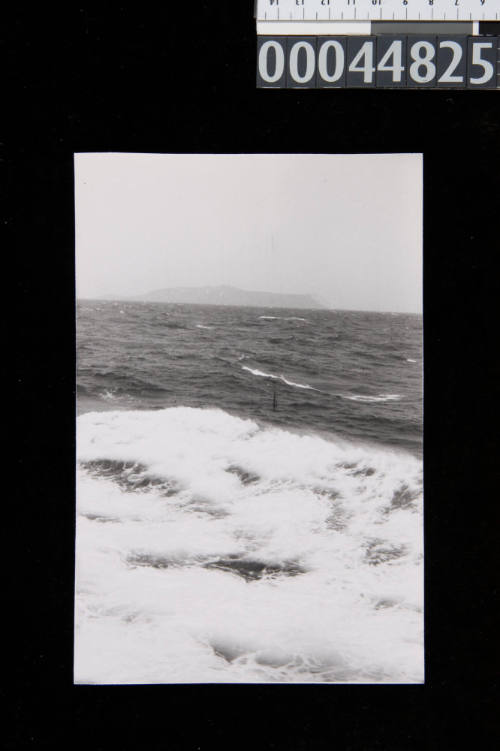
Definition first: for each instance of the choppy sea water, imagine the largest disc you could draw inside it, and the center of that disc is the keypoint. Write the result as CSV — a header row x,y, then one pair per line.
x,y
249,495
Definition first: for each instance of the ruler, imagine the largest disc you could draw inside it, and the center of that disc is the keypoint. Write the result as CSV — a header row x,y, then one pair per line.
x,y
378,44
323,16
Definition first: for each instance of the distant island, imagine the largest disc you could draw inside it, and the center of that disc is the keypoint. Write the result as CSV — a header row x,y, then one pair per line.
x,y
225,295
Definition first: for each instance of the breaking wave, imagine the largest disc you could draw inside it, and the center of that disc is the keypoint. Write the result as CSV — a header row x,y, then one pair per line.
x,y
283,318
369,399
260,373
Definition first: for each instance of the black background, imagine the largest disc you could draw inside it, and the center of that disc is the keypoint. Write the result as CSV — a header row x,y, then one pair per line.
x,y
126,79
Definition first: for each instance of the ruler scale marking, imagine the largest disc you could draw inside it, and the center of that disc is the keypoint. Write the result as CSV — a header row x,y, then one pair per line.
x,y
414,10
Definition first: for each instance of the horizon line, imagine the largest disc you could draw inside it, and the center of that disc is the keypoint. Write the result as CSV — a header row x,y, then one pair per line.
x,y
223,305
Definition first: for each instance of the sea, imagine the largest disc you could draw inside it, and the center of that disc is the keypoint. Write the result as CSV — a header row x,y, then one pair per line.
x,y
249,495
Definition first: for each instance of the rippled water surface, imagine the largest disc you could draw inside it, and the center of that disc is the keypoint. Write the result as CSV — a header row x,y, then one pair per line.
x,y
249,497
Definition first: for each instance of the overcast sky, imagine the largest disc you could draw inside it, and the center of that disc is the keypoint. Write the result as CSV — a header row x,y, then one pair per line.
x,y
344,228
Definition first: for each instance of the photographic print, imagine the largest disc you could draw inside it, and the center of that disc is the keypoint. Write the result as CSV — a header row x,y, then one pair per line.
x,y
249,497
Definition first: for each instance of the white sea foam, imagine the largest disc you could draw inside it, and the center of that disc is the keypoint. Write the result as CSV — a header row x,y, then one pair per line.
x,y
163,588
369,399
108,395
297,385
283,318
201,326
408,359
260,373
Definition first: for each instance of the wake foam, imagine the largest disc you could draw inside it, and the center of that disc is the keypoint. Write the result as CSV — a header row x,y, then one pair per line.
x,y
239,552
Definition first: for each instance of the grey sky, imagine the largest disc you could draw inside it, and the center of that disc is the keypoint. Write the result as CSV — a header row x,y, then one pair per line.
x,y
344,228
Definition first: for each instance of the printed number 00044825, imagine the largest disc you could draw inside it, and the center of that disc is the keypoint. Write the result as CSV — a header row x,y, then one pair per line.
x,y
378,61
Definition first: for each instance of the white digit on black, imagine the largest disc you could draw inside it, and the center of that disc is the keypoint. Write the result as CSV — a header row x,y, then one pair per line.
x,y
485,64
323,61
394,52
422,61
294,62
264,61
457,51
366,54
